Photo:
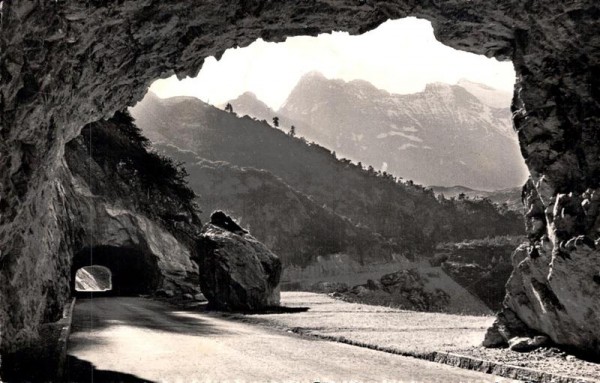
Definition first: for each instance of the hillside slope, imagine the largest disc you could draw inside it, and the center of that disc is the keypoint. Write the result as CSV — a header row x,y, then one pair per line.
x,y
294,226
403,212
508,198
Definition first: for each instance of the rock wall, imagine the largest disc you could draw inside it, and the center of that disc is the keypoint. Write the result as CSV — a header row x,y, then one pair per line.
x,y
66,63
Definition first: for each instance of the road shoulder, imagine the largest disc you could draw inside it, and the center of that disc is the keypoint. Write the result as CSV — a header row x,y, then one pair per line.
x,y
448,339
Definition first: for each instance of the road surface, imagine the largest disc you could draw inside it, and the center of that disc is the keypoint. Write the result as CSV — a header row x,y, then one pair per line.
x,y
138,340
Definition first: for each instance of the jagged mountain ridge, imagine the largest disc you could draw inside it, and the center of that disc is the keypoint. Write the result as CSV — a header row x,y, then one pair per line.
x,y
406,214
445,135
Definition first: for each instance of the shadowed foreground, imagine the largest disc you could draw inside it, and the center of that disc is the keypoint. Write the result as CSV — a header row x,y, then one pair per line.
x,y
145,340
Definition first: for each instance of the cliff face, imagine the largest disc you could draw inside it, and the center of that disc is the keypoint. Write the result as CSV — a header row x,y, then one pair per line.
x,y
66,64
107,210
130,210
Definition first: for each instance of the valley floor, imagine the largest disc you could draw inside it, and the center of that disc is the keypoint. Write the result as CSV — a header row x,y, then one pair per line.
x,y
421,334
137,339
411,332
313,338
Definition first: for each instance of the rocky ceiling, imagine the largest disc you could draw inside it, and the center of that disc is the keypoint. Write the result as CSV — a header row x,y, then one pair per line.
x,y
67,63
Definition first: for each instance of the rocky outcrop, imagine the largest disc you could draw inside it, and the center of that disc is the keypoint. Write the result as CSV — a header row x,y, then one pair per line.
x,y
480,266
129,211
236,271
553,289
416,288
218,218
509,331
552,295
142,254
66,64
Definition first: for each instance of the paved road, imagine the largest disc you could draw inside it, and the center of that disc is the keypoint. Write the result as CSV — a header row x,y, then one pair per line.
x,y
136,339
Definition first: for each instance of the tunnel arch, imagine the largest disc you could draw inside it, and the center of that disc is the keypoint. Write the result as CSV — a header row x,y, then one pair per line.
x,y
133,270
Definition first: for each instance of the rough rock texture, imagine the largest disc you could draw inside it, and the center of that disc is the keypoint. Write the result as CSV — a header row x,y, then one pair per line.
x,y
506,327
143,255
218,218
554,293
418,288
64,64
480,266
236,271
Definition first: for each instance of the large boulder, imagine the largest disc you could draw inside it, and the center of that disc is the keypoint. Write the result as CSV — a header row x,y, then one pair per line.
x,y
237,272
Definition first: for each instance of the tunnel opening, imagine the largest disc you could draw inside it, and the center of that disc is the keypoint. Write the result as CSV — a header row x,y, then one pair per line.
x,y
93,279
131,271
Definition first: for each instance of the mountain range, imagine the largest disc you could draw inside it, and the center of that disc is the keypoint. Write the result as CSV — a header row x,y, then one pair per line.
x,y
445,135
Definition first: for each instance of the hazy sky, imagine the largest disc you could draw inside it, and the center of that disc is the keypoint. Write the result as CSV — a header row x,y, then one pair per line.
x,y
400,56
